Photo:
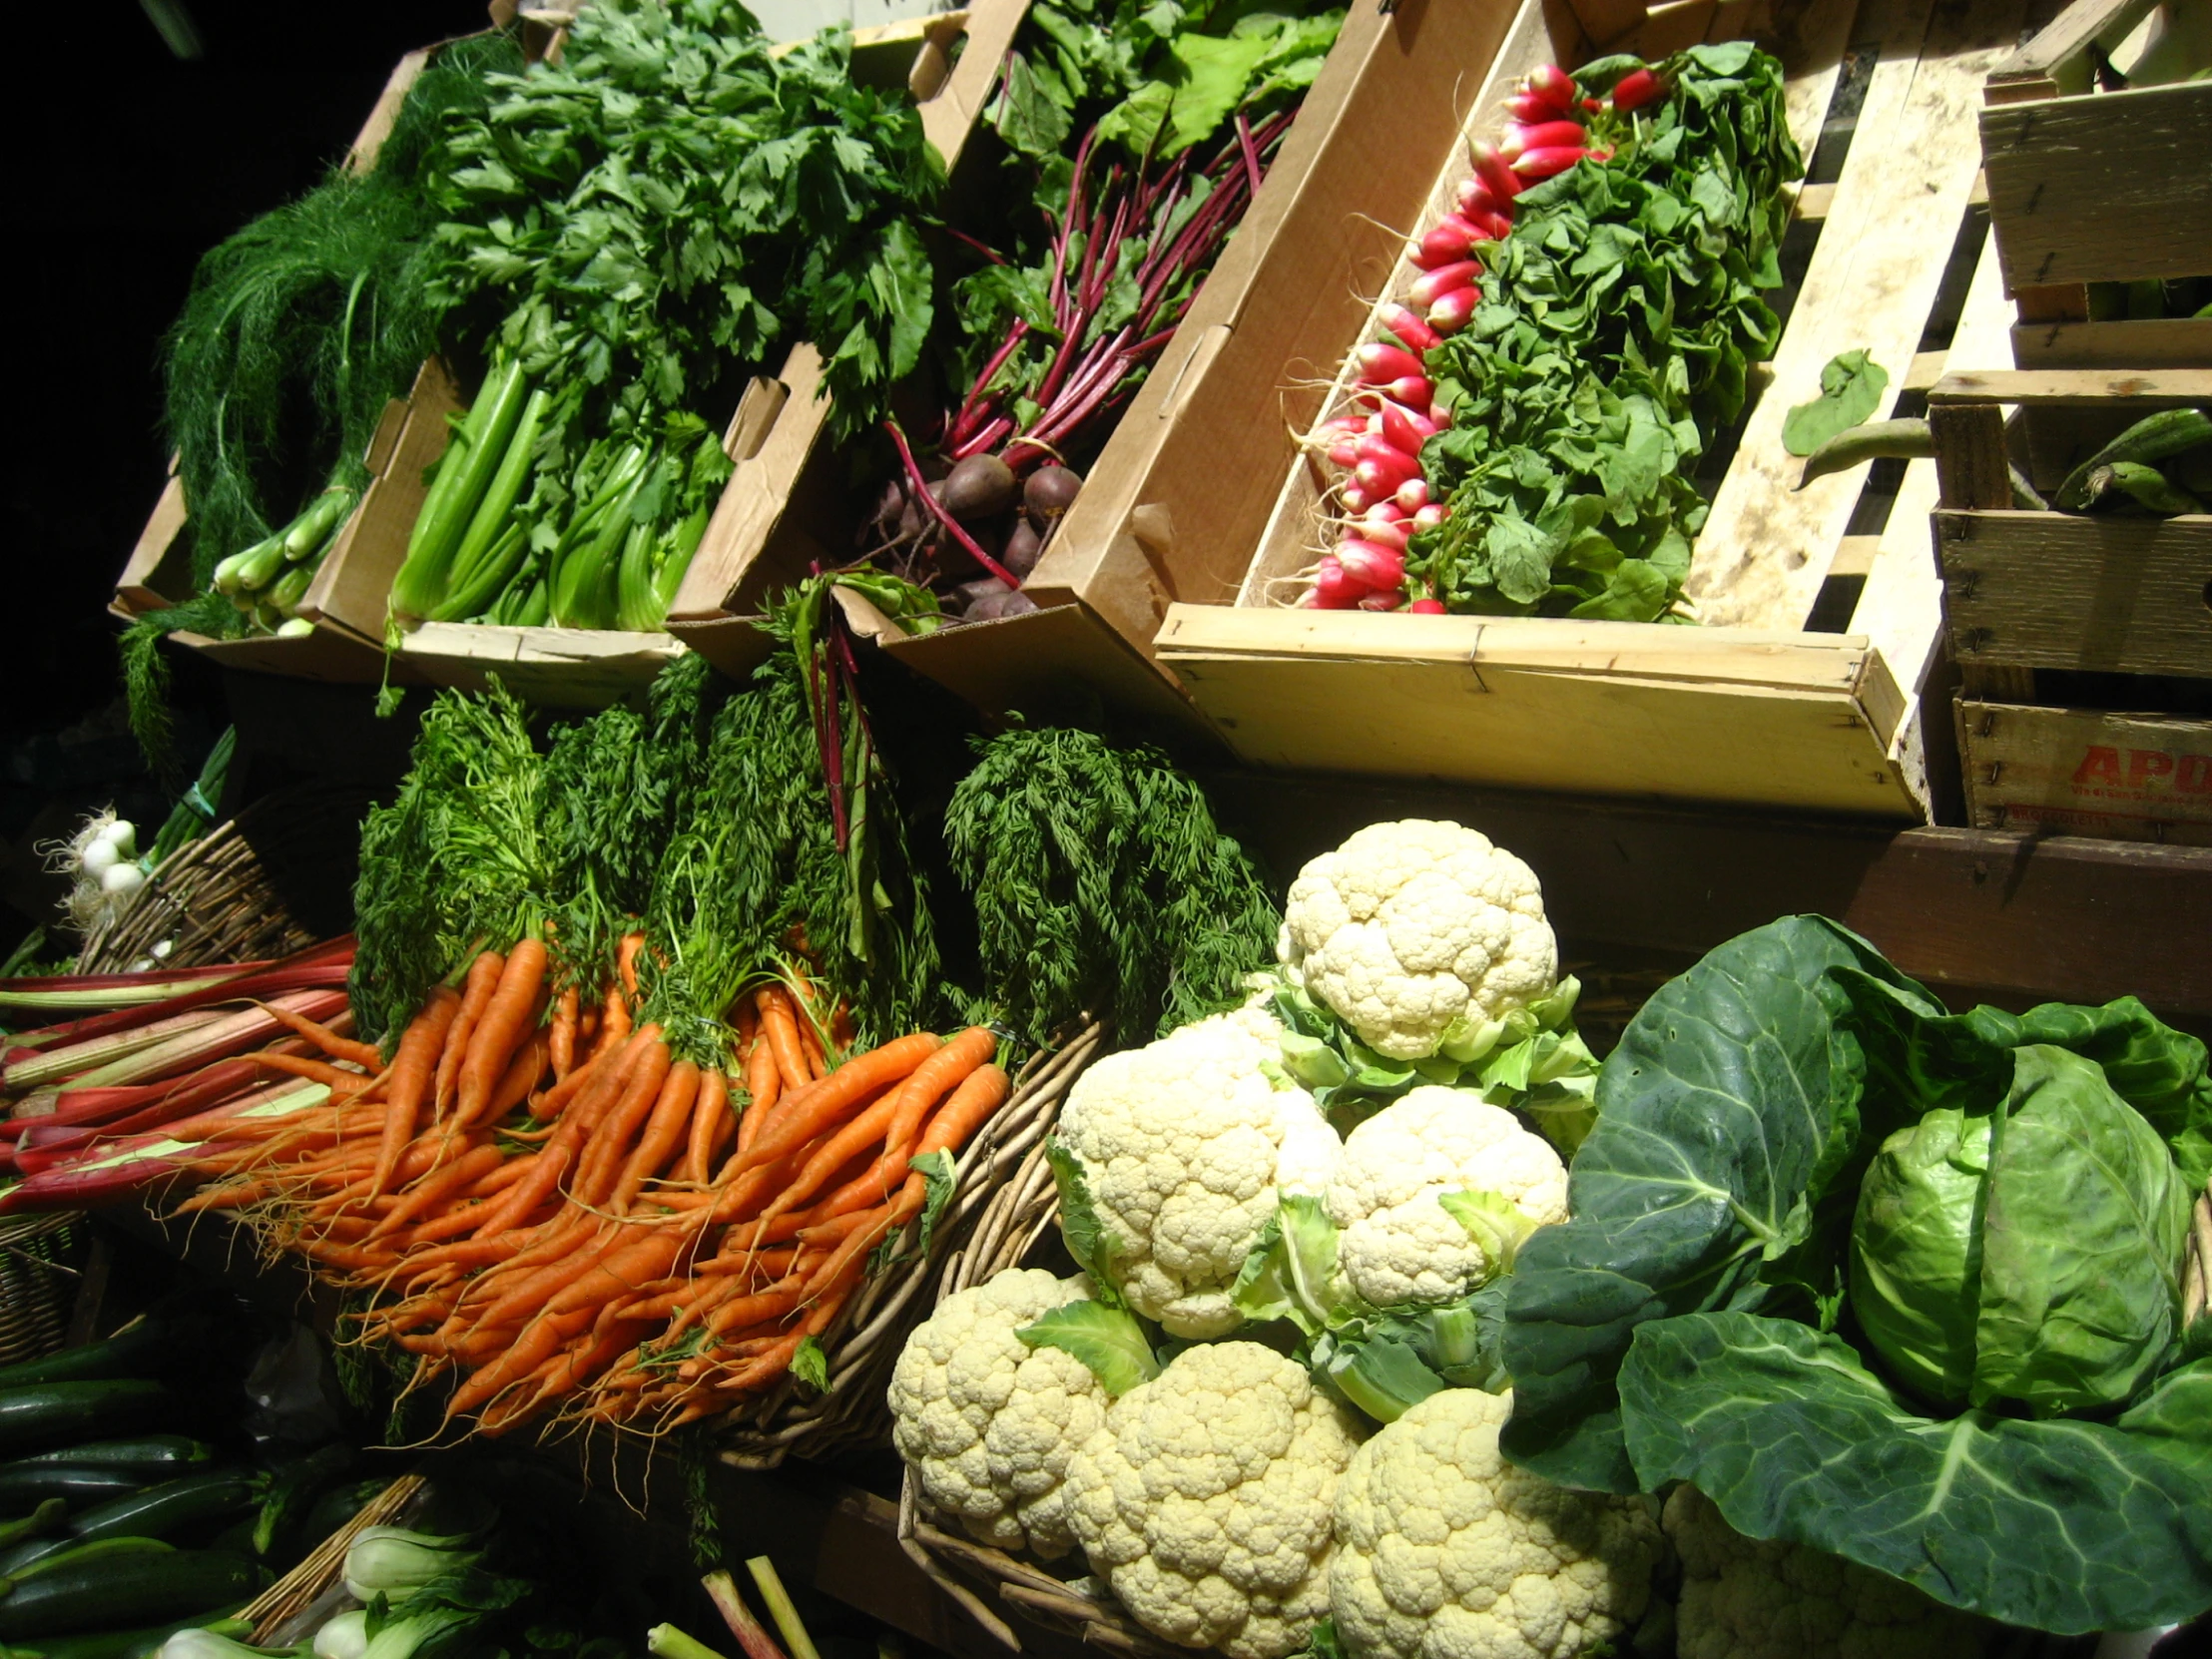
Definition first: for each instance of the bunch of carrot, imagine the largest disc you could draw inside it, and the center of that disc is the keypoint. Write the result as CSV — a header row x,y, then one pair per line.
x,y
571,1218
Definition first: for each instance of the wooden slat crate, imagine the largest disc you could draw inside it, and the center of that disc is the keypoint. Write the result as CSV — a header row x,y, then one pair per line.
x,y
2098,187
1174,501
348,601
2036,600
1752,707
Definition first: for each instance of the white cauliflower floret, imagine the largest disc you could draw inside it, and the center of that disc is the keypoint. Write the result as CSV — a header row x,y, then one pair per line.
x,y
1418,930
1446,1551
988,1423
1206,1499
1396,1242
1182,1144
1748,1599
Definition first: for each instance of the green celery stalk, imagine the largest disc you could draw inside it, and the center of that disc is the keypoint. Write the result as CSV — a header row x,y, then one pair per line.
x,y
536,606
493,571
675,559
488,528
438,535
633,580
584,591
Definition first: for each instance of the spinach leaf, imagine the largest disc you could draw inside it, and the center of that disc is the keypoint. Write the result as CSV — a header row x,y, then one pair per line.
x,y
1851,389
2065,1526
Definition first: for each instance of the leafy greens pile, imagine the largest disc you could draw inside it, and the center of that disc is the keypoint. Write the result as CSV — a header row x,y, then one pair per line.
x,y
1711,1312
1617,323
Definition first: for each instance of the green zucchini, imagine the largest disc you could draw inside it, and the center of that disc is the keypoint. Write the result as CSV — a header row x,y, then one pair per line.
x,y
128,1589
160,1511
96,1551
44,1518
2144,485
131,1351
143,1643
48,1415
152,1455
292,1494
25,1486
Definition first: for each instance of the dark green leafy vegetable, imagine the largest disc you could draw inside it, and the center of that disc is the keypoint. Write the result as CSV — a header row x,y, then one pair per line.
x,y
1851,389
1618,322
1688,1321
1102,884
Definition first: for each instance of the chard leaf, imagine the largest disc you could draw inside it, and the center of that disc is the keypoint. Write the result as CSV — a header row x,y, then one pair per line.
x,y
1109,1340
1851,390
1033,117
2064,1525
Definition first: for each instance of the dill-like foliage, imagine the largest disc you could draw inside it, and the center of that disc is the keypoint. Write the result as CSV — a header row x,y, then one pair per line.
x,y
300,327
1102,884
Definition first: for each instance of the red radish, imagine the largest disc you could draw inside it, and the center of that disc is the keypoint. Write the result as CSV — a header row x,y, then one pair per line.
x,y
1636,89
1496,176
1378,479
1429,516
1438,416
1334,590
1344,453
1594,105
1443,281
1519,139
1391,536
1446,243
1555,86
1381,602
1380,364
1527,105
1403,429
1408,328
1475,199
1370,564
1412,390
1342,426
1385,512
1356,500
1426,607
1376,447
1451,312
1544,163
1413,496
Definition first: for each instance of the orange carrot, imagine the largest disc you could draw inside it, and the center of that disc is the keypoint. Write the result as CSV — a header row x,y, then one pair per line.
x,y
521,1077
435,1187
781,1027
563,1042
934,1078
554,1101
551,1162
506,1018
809,1043
316,1071
836,1095
709,1123
533,1348
412,1069
332,1045
765,1084
665,1130
862,1132
600,1163
982,1092
626,963
614,1021
476,994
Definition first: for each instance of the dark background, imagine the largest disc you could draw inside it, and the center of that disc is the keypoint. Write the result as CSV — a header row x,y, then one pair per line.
x,y
128,164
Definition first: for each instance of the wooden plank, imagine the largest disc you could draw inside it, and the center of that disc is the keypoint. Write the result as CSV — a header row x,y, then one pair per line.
x,y
1607,20
2048,590
1612,707
2145,388
1764,553
2059,48
2127,777
558,668
2108,187
149,582
2162,342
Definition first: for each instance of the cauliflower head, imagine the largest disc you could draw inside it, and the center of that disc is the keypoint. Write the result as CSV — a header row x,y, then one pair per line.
x,y
1206,1499
988,1423
1446,1551
1182,1145
1417,932
1396,1242
1747,1599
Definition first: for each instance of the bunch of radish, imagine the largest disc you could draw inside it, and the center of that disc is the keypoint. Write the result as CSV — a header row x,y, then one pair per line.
x,y
1385,496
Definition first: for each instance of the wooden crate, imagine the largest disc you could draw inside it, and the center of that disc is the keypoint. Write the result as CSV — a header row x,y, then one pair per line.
x,y
2097,187
2034,600
1753,706
1171,507
348,601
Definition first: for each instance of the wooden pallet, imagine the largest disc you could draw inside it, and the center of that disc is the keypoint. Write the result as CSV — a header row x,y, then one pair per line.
x,y
2031,596
1752,707
2095,187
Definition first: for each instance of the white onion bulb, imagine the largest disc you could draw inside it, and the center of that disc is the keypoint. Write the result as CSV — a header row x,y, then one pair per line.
x,y
122,834
123,878
99,856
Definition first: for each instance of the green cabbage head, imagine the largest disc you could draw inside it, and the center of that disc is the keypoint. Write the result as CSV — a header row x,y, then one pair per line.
x,y
2030,1253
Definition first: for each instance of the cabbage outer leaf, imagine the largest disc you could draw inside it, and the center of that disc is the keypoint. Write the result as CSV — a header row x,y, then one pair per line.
x,y
2060,1525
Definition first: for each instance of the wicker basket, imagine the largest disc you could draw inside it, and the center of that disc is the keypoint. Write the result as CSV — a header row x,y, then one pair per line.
x,y
293,1607
235,893
1002,1202
35,1285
